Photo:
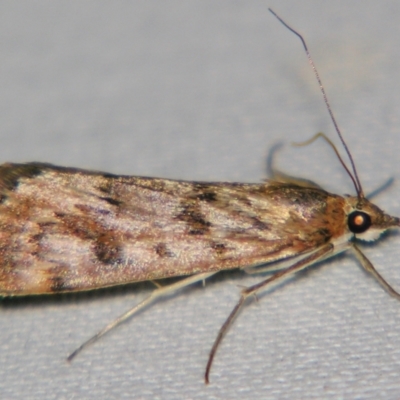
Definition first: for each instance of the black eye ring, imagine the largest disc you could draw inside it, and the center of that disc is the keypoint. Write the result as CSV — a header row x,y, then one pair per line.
x,y
358,221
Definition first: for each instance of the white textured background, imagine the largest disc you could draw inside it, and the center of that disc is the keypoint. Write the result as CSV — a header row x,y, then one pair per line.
x,y
201,90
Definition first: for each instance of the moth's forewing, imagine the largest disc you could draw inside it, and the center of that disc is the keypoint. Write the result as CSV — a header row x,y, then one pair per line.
x,y
64,229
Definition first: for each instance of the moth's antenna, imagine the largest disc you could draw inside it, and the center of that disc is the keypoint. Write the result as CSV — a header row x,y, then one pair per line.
x,y
354,176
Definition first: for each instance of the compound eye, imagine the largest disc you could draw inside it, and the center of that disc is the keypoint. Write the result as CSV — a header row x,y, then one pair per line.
x,y
358,221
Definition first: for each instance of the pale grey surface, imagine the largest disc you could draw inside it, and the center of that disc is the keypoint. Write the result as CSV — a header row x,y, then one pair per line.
x,y
201,90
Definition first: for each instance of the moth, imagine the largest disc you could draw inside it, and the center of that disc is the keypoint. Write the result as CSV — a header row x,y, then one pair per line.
x,y
67,229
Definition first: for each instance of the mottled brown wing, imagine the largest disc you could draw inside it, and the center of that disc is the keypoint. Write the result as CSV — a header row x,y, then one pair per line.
x,y
64,229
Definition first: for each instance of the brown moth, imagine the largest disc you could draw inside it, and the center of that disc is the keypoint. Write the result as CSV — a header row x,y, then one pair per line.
x,y
66,229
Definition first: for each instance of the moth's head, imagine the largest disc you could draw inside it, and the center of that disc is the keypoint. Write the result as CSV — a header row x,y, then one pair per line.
x,y
367,221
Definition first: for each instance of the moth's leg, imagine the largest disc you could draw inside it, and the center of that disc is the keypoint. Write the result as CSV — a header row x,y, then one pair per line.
x,y
386,185
321,253
285,178
272,267
155,295
323,136
367,265
280,176
285,263
253,270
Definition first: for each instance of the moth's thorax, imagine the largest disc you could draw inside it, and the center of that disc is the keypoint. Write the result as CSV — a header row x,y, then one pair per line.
x,y
309,210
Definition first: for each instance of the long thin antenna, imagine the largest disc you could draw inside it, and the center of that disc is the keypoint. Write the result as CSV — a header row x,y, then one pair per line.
x,y
354,176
